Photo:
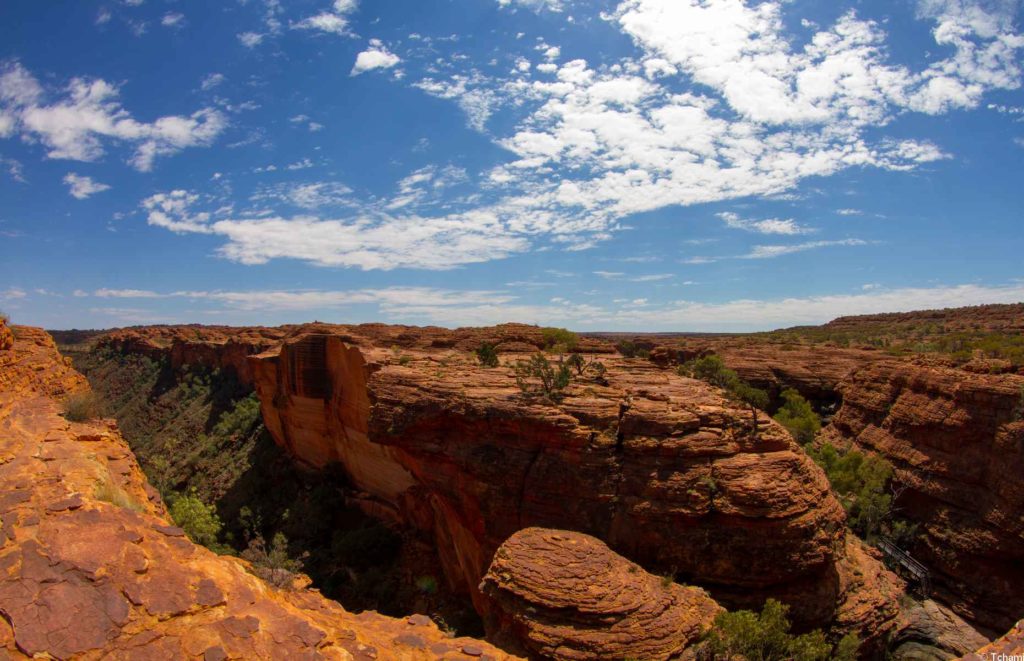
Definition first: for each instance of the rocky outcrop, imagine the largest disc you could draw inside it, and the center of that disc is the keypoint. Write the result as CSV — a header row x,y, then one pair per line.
x,y
928,631
565,595
663,468
91,567
956,441
6,336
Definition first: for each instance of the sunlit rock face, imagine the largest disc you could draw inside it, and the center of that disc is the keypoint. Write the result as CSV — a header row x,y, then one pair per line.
x,y
664,469
91,566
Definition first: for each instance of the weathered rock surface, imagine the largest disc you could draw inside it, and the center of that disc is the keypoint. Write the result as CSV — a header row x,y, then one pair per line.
x,y
566,595
91,567
664,469
928,631
1010,646
956,441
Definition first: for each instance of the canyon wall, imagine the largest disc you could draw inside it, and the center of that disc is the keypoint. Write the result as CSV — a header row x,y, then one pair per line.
x,y
664,469
91,567
956,441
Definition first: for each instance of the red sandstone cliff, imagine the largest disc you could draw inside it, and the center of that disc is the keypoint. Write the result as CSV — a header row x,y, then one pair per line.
x,y
90,566
663,468
956,441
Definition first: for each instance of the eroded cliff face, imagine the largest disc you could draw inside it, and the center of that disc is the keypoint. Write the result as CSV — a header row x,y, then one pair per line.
x,y
956,441
91,567
664,469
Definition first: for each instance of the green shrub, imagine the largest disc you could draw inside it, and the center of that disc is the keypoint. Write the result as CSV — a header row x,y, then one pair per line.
x,y
83,406
628,348
764,636
798,417
240,420
559,340
487,354
550,380
199,520
862,483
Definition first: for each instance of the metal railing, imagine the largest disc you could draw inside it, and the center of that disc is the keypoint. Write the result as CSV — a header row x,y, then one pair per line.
x,y
918,571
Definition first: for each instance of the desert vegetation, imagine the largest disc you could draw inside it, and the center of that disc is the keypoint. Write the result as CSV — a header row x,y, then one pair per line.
x,y
711,369
766,636
865,486
487,355
83,406
797,416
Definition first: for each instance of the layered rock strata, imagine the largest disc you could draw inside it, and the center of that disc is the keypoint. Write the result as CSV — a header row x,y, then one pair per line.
x,y
565,595
664,469
956,441
91,567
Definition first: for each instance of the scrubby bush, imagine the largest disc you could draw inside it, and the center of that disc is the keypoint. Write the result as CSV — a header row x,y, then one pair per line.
x,y
765,636
628,348
798,417
273,564
487,354
83,406
559,340
864,486
199,520
538,376
240,420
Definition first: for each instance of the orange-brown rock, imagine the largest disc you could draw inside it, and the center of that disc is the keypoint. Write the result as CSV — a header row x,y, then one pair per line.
x,y
565,595
91,567
6,336
664,469
956,441
1006,648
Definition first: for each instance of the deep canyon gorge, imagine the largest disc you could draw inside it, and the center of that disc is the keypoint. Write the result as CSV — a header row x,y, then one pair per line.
x,y
463,516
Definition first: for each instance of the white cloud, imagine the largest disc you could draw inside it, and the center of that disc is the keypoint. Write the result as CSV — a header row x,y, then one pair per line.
x,y
551,5
12,293
377,56
335,21
83,187
212,80
483,307
849,212
717,103
74,127
769,226
173,20
251,39
769,252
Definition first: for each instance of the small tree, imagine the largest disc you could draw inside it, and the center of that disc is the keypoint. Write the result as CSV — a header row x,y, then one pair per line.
x,y
551,380
711,369
273,565
487,354
559,340
798,417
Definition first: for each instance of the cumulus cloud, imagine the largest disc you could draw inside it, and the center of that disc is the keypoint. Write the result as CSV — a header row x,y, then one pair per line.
x,y
333,21
377,56
78,122
717,102
83,187
173,20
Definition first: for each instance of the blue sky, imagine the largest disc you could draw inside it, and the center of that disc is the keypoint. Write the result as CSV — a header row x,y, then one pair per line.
x,y
651,165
